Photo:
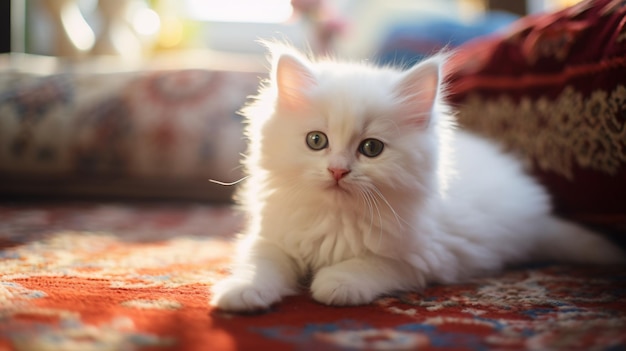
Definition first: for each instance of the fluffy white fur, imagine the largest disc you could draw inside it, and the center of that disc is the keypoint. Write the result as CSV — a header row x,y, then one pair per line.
x,y
437,205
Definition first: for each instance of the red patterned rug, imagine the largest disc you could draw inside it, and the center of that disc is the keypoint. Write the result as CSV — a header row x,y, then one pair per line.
x,y
117,276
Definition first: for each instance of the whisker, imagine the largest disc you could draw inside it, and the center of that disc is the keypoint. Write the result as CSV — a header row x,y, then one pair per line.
x,y
393,211
380,219
374,205
228,184
368,202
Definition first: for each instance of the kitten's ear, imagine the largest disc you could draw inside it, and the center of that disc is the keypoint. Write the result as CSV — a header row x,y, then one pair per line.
x,y
293,80
418,91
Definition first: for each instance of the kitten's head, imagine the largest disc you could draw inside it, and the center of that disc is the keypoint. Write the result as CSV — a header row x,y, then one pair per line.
x,y
335,129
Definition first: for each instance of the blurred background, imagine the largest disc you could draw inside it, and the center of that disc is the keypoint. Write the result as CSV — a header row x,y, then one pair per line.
x,y
140,29
140,98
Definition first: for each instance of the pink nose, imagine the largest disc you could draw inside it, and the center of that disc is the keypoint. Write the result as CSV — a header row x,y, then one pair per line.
x,y
338,173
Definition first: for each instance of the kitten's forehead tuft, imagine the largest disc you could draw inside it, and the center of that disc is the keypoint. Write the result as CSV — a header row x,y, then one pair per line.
x,y
354,98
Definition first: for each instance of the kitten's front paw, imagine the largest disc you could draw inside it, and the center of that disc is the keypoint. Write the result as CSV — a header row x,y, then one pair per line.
x,y
340,288
236,295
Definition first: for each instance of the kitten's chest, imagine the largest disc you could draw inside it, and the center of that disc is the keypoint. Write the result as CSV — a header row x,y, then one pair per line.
x,y
316,238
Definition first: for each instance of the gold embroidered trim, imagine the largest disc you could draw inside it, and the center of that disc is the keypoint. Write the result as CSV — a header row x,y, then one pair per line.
x,y
589,132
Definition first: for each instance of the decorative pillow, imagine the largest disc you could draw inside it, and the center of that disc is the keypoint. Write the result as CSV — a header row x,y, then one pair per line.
x,y
553,89
157,134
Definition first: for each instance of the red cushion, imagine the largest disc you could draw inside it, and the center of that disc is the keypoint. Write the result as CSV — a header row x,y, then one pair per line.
x,y
553,90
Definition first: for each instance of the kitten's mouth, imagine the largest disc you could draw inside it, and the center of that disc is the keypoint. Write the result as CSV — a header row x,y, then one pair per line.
x,y
338,186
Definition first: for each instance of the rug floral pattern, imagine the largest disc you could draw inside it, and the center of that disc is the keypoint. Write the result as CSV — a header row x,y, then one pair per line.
x,y
116,276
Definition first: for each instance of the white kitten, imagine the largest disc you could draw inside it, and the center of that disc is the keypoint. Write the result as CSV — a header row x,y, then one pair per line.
x,y
357,178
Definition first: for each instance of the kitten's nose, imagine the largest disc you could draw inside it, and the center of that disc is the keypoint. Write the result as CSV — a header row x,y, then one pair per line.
x,y
338,173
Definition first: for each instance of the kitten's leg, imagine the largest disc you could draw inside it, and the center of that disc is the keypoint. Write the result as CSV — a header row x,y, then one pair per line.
x,y
360,280
263,277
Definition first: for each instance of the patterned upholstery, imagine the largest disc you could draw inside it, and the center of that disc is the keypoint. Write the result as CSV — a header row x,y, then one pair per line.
x,y
146,134
553,89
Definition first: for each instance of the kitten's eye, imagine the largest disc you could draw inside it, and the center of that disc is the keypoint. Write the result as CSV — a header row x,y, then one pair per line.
x,y
371,147
317,140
